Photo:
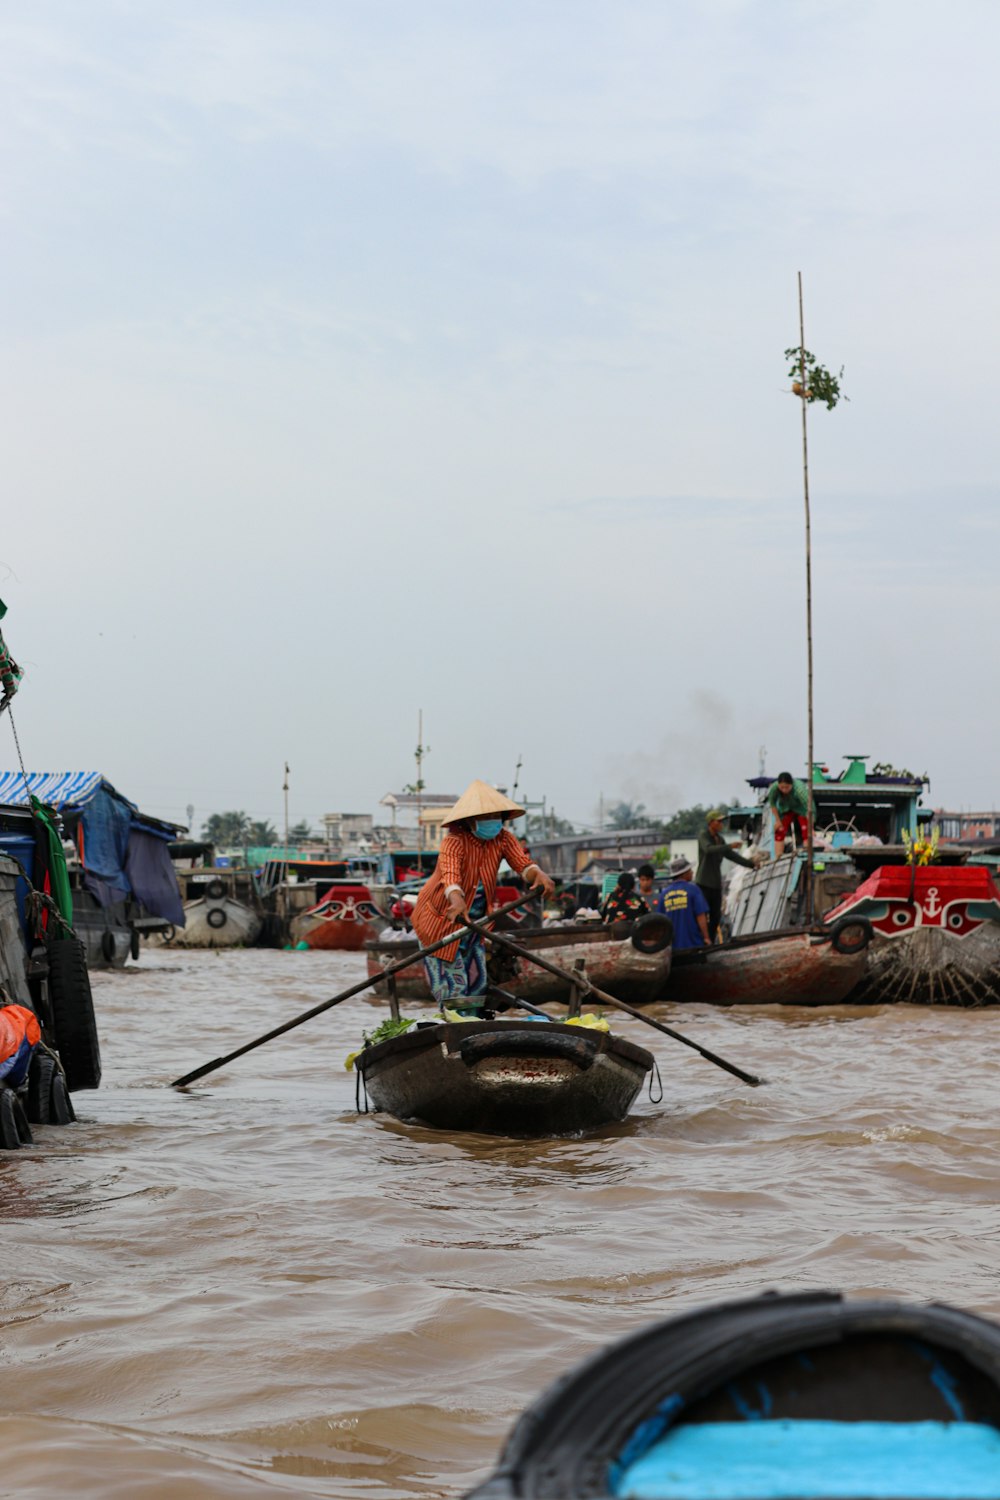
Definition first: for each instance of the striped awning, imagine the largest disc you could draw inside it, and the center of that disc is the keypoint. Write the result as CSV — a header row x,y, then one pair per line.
x,y
54,788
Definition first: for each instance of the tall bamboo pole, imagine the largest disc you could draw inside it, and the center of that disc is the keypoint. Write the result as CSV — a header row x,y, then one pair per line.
x,y
804,398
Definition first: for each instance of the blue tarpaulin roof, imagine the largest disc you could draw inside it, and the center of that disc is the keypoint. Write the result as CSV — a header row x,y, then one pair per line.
x,y
55,788
122,851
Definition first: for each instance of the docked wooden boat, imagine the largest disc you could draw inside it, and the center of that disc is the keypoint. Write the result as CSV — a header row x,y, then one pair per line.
x,y
516,1078
610,958
936,924
346,918
937,934
794,967
217,922
803,1395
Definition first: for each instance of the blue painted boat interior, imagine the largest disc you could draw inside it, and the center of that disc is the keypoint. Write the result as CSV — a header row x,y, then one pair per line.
x,y
817,1460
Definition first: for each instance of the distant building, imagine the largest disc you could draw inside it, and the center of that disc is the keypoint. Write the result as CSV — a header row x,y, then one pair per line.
x,y
416,817
349,833
405,806
619,849
966,826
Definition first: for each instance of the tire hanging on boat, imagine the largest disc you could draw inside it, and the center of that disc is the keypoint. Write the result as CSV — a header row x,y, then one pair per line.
x,y
216,917
14,1128
652,933
215,890
108,946
48,1101
134,945
842,942
73,1022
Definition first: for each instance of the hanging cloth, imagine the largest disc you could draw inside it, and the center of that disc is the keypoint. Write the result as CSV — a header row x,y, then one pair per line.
x,y
55,860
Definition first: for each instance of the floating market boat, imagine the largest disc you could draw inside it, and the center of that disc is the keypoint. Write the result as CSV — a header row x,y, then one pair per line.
x,y
346,919
803,1395
221,905
936,927
123,883
794,967
503,1077
609,955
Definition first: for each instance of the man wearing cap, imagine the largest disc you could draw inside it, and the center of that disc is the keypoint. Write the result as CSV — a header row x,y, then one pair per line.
x,y
712,850
684,904
475,840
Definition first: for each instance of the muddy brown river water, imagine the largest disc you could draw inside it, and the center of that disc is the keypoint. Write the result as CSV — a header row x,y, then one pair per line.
x,y
249,1289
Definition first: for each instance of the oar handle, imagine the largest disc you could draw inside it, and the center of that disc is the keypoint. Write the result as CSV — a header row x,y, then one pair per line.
x,y
356,989
606,999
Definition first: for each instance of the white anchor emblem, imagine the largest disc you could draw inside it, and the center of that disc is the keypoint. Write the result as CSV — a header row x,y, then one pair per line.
x,y
932,905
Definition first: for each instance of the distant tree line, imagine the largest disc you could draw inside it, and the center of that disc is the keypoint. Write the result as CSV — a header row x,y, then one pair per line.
x,y
238,829
683,824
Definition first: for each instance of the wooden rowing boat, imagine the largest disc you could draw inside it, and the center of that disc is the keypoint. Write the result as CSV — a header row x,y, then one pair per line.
x,y
516,1078
610,960
793,967
804,1394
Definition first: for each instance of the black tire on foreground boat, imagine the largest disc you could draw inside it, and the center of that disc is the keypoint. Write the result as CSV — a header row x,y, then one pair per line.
x,y
637,1420
48,1101
73,1022
14,1128
652,933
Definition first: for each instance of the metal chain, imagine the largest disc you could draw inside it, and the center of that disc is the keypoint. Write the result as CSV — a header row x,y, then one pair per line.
x,y
17,742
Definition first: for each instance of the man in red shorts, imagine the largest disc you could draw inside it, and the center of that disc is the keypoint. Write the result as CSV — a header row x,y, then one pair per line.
x,y
788,800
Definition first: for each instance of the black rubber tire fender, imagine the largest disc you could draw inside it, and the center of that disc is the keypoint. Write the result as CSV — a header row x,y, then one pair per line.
x,y
108,946
73,1022
215,890
43,1066
216,917
839,941
581,1050
652,933
169,933
61,1111
10,1133
134,945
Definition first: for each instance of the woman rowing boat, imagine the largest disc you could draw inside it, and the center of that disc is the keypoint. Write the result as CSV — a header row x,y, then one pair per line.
x,y
463,884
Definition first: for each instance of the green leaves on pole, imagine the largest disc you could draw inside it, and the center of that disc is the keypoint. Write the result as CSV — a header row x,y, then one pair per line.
x,y
820,384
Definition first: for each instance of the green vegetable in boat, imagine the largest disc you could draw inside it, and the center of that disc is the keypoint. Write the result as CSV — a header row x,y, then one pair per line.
x,y
382,1033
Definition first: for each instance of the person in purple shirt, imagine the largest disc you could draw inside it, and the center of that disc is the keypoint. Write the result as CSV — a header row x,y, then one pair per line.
x,y
682,901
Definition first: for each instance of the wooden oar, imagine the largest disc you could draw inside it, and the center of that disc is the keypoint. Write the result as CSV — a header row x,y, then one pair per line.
x,y
581,980
355,989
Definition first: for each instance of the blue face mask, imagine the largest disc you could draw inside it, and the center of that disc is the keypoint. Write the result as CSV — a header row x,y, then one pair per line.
x,y
488,828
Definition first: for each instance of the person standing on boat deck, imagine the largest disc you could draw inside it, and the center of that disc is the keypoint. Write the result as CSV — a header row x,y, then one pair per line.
x,y
623,905
683,902
788,800
475,841
647,888
712,850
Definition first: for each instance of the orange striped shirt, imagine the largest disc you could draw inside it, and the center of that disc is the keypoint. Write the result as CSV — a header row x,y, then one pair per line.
x,y
464,861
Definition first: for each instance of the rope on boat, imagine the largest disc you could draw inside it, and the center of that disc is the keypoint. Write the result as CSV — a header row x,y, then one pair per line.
x,y
659,1084
359,1084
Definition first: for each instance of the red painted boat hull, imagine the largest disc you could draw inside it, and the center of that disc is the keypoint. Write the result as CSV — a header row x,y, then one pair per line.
x,y
344,920
937,934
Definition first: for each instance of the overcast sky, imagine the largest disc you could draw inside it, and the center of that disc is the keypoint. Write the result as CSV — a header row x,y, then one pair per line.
x,y
368,357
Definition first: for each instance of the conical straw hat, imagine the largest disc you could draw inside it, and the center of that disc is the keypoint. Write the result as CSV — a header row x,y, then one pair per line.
x,y
478,801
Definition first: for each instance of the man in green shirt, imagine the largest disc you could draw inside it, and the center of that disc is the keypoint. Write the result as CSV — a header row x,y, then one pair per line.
x,y
788,800
712,850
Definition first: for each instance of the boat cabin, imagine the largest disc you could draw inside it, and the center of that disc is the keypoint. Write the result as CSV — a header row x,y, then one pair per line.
x,y
862,820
